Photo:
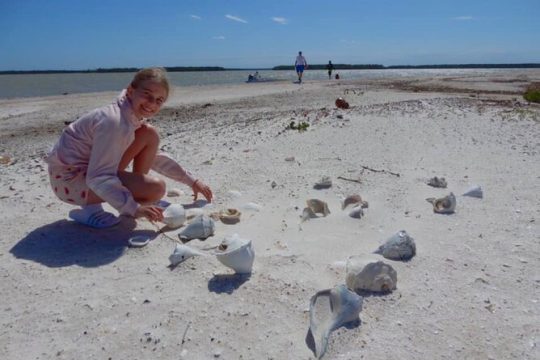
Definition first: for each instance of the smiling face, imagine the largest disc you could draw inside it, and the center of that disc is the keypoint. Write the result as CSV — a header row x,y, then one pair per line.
x,y
147,98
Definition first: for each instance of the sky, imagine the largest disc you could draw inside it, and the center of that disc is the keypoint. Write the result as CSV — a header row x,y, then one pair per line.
x,y
91,34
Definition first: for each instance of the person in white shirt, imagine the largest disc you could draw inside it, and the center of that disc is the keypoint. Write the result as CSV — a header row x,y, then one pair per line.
x,y
87,166
300,65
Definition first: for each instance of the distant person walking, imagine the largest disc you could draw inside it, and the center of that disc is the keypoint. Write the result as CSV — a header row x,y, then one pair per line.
x,y
329,67
300,64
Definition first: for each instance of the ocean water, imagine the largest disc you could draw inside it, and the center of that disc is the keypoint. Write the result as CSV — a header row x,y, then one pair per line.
x,y
31,85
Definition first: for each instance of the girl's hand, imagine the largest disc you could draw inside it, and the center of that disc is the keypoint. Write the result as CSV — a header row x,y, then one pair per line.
x,y
151,212
200,187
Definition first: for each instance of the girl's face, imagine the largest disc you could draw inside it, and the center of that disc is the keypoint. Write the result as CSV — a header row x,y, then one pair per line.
x,y
147,98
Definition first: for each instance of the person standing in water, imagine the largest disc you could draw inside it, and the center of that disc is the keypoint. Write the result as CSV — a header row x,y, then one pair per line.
x,y
300,65
329,67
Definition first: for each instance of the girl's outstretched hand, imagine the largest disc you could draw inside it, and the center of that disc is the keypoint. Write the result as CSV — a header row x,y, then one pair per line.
x,y
151,212
200,187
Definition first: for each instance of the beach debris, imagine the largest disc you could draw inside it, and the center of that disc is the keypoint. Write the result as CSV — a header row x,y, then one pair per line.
x,y
357,212
438,182
273,184
369,273
445,205
341,103
236,253
302,126
352,180
228,216
314,207
182,253
175,192
252,206
174,216
399,246
329,310
355,200
5,160
324,183
474,191
290,158
201,227
138,241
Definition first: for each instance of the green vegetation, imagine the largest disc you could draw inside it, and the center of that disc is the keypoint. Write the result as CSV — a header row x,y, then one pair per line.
x,y
443,66
112,70
300,127
532,94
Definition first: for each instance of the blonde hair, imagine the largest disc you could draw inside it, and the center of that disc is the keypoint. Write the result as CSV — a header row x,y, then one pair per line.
x,y
155,74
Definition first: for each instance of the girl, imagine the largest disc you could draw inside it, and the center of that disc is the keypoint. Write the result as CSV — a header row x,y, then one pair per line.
x,y
87,166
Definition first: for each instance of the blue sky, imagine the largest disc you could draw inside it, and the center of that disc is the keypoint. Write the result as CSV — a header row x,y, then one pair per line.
x,y
87,34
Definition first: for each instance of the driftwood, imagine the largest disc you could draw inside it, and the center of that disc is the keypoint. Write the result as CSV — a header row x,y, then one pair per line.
x,y
353,180
381,171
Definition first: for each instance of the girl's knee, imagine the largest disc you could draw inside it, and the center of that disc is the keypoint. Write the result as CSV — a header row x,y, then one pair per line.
x,y
148,134
156,189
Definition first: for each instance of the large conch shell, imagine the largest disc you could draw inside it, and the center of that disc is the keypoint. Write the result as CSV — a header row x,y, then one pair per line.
x,y
368,273
314,207
329,310
399,246
174,216
475,191
445,205
182,253
236,253
201,227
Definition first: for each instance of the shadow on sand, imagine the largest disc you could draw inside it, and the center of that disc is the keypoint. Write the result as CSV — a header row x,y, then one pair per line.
x,y
227,283
66,243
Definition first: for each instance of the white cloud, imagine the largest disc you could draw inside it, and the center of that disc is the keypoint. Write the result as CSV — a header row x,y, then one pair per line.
x,y
220,37
195,17
463,18
280,20
235,18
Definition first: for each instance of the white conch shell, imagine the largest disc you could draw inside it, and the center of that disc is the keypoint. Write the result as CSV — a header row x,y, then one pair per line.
x,y
329,310
475,191
182,253
200,227
236,253
368,273
354,199
445,205
357,212
399,246
174,216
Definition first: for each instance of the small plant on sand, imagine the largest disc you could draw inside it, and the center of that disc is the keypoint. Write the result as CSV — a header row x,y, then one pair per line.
x,y
532,94
302,126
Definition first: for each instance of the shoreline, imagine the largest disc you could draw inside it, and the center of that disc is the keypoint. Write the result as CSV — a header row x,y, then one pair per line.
x,y
466,294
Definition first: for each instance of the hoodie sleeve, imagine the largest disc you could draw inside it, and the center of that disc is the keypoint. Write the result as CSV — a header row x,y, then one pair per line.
x,y
110,141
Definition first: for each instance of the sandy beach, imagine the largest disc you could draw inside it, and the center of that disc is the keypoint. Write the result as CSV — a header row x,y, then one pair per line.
x,y
471,291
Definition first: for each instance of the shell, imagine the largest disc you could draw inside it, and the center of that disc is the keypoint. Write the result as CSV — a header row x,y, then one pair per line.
x,y
229,216
341,103
445,205
329,310
175,192
174,216
354,200
182,253
437,182
369,273
399,246
475,191
201,227
357,212
318,206
324,183
236,253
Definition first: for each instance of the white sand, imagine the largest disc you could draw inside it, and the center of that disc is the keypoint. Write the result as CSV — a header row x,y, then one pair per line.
x,y
471,292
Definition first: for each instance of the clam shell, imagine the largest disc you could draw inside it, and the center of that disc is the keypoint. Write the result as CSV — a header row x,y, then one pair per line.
x,y
437,182
318,206
182,253
399,246
445,205
475,191
354,200
369,273
329,310
174,216
201,227
324,183
236,253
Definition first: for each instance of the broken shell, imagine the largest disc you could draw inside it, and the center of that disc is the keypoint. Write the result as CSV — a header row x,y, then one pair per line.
x,y
368,273
182,253
437,182
229,216
354,199
174,216
445,205
174,192
329,310
318,206
324,183
201,227
357,212
399,246
236,253
341,103
475,191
